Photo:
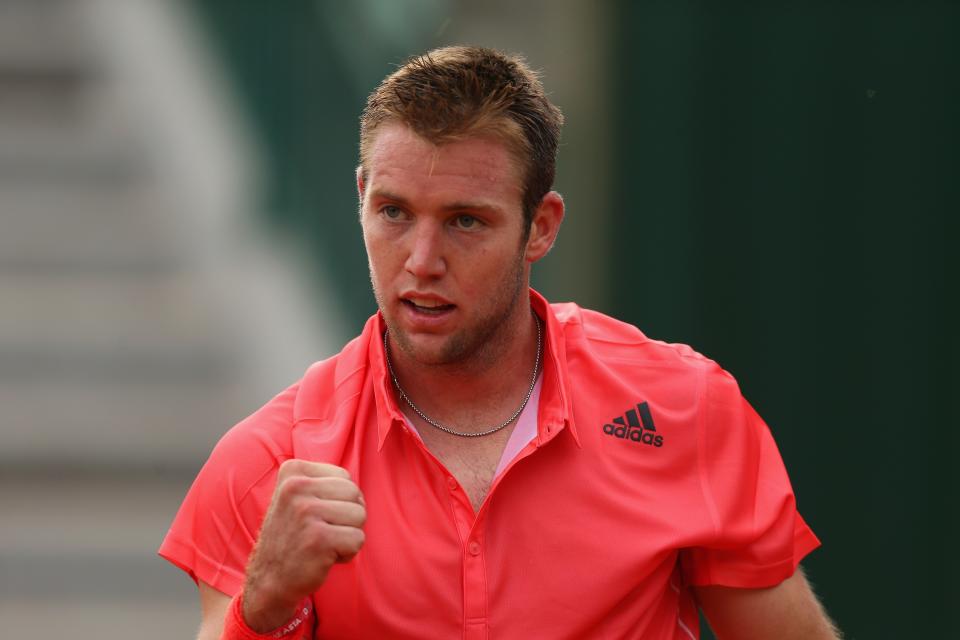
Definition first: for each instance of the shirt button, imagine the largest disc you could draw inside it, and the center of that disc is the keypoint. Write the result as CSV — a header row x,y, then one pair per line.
x,y
452,483
474,548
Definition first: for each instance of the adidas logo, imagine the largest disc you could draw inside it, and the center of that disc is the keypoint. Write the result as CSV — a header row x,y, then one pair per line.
x,y
636,429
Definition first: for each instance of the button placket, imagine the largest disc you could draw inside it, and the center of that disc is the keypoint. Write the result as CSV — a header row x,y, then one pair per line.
x,y
469,527
474,580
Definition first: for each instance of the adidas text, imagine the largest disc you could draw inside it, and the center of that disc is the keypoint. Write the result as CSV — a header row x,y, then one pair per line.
x,y
635,425
633,434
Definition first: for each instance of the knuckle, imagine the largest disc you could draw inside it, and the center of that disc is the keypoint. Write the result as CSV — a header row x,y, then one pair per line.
x,y
335,471
289,467
358,539
323,536
292,486
336,488
302,510
339,472
316,535
329,487
325,469
326,510
350,489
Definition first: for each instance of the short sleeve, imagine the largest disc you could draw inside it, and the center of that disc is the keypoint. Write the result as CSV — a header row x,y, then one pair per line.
x,y
758,536
217,524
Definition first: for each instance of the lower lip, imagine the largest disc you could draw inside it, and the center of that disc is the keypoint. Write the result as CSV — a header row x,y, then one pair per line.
x,y
418,318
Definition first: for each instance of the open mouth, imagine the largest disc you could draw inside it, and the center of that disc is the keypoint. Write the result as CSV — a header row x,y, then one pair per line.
x,y
428,307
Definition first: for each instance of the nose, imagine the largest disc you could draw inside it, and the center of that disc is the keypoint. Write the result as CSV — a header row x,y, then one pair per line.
x,y
426,258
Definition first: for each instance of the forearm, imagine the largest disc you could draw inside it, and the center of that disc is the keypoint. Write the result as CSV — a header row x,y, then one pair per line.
x,y
788,611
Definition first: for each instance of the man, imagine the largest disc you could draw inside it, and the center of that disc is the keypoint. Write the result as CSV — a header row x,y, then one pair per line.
x,y
479,463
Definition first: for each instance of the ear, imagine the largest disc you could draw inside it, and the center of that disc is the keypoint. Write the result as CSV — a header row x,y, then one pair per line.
x,y
545,226
360,185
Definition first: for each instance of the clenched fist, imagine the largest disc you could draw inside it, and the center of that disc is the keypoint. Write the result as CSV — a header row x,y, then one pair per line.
x,y
315,519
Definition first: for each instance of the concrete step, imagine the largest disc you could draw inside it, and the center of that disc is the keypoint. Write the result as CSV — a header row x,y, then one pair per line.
x,y
96,229
119,315
166,421
85,548
70,152
123,514
79,618
42,33
43,92
38,31
48,66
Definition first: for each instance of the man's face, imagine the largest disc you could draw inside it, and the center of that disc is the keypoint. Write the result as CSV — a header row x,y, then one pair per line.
x,y
443,227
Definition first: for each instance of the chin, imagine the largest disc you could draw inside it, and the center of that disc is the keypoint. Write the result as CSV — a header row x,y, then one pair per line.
x,y
431,357
431,349
423,348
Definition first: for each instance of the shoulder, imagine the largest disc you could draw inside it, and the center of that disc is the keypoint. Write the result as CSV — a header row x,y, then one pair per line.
x,y
262,441
607,338
267,428
328,384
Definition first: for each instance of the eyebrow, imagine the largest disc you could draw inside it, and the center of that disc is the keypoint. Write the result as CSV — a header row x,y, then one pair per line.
x,y
465,205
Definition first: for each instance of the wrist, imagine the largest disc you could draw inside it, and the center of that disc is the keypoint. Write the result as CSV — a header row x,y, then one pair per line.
x,y
238,627
264,611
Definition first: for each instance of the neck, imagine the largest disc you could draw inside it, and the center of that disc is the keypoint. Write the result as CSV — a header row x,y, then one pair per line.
x,y
481,391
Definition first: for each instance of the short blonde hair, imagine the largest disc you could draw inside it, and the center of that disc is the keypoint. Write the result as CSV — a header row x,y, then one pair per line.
x,y
454,93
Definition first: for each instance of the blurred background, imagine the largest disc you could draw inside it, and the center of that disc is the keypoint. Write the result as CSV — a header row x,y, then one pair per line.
x,y
768,182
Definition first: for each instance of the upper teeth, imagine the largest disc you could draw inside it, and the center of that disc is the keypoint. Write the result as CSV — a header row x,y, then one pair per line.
x,y
425,303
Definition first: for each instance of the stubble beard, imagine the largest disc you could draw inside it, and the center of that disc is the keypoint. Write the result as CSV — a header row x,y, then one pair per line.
x,y
474,347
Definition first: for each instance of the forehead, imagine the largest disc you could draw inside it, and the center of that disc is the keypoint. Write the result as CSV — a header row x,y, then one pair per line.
x,y
399,157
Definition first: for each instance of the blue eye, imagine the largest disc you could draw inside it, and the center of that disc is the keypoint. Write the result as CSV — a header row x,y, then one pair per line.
x,y
392,212
466,222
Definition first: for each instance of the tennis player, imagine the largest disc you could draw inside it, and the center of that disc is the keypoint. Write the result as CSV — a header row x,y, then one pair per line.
x,y
480,463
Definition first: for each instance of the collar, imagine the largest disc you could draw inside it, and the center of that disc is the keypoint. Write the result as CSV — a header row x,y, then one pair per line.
x,y
555,412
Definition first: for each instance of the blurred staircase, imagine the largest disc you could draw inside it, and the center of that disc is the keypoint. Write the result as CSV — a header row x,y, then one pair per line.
x,y
128,335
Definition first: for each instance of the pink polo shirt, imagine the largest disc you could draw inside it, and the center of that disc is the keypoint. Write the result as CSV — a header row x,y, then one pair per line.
x,y
641,471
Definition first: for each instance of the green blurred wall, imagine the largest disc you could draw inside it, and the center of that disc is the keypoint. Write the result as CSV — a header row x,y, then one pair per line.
x,y
789,193
305,103
785,201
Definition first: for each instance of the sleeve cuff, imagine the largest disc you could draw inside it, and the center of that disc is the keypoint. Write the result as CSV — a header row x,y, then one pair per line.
x,y
749,575
200,567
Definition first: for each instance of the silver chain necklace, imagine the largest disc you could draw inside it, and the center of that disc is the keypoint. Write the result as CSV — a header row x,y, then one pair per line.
x,y
434,423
